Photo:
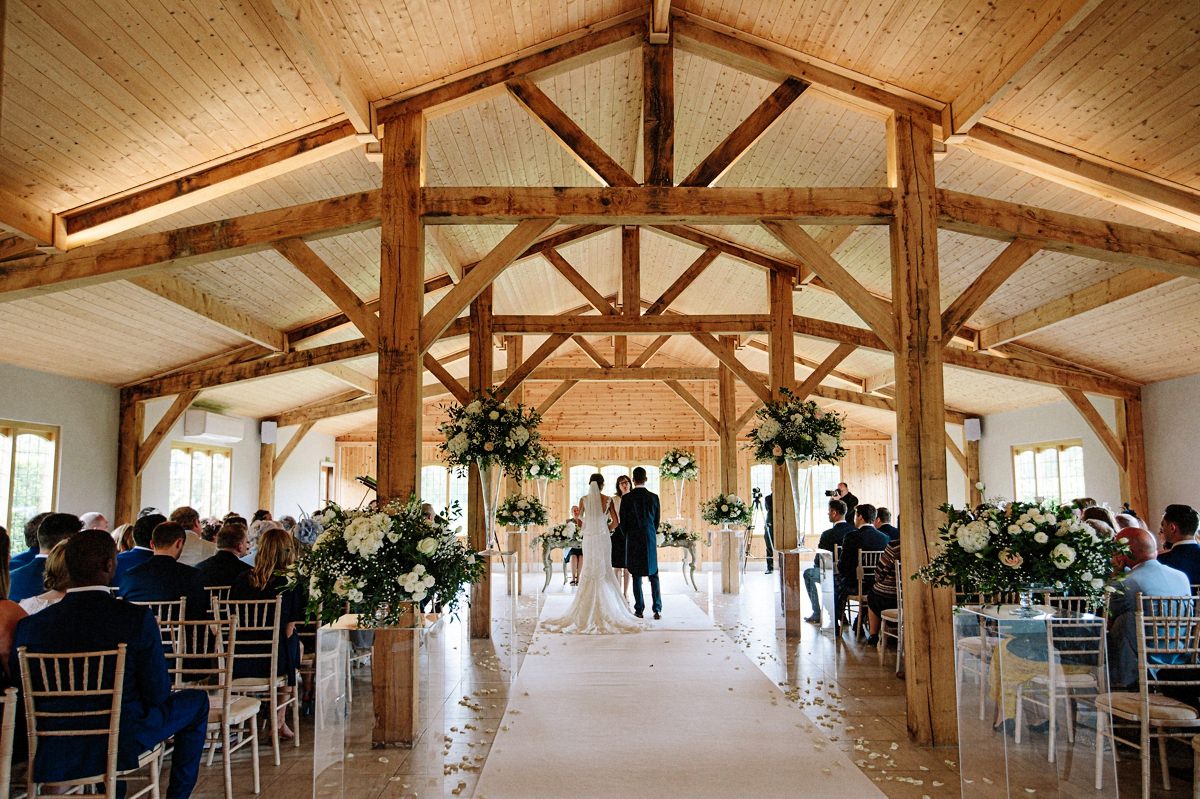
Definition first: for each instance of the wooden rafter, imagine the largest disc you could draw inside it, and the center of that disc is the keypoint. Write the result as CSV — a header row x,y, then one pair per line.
x,y
680,284
695,404
641,326
327,410
956,451
188,296
147,447
660,21
991,278
809,363
590,155
623,373
729,359
282,457
590,351
517,374
658,115
733,250
313,267
26,219
560,390
1096,422
747,415
351,377
839,354
452,384
653,347
580,283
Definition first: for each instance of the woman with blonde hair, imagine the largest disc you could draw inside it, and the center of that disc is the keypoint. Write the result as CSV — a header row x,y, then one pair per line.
x,y
56,579
123,535
254,531
266,581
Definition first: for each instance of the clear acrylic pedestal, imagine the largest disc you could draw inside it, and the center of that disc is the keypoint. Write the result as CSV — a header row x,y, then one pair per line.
x,y
347,759
1026,719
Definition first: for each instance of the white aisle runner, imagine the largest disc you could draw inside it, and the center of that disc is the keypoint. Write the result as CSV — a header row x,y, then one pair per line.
x,y
675,711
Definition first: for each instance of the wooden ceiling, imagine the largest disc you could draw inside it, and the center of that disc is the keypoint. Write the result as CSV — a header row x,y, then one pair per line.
x,y
1081,106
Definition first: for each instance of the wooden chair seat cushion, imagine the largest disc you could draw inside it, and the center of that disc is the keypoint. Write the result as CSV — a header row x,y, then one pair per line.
x,y
890,614
1162,708
240,709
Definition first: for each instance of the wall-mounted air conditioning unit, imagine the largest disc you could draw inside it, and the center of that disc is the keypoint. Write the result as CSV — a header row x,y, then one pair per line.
x,y
212,428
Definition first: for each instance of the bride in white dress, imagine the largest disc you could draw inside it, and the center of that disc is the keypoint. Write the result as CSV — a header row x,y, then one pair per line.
x,y
598,607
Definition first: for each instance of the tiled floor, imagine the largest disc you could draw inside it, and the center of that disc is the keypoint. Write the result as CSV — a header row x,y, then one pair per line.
x,y
840,686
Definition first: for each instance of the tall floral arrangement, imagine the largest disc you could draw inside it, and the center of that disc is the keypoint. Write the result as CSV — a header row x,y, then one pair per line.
x,y
521,510
678,464
672,534
1019,547
544,465
725,509
794,429
491,432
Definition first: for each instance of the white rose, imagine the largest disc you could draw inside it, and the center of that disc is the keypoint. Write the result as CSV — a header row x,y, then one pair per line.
x,y
419,595
427,546
471,559
1062,556
735,498
535,469
428,581
1041,538
522,504
724,508
1014,528
1097,583
1028,527
474,408
979,486
684,461
827,442
768,430
418,569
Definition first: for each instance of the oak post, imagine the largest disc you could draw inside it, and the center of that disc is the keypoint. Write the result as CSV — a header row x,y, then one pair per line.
x,y
731,568
658,115
479,377
974,494
784,524
920,425
266,475
1134,488
129,435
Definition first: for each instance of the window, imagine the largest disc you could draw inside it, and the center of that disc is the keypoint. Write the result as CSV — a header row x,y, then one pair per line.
x,y
201,477
441,487
577,481
28,474
814,507
1049,471
652,482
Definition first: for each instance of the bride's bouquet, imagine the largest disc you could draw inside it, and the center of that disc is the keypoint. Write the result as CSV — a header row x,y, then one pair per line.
x,y
792,429
678,464
725,509
521,510
491,432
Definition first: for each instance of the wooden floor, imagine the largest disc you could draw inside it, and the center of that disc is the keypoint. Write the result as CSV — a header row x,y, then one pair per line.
x,y
842,688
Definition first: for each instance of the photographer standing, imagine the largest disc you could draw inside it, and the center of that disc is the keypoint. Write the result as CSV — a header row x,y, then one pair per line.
x,y
768,529
842,492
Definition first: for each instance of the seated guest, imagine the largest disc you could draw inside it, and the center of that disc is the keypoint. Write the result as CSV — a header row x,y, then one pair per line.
x,y
864,539
288,523
31,541
90,619
261,515
209,528
833,537
1125,521
27,580
883,523
10,612
1178,528
224,567
55,580
94,521
1145,576
123,536
883,590
1101,514
253,532
264,581
195,548
143,529
163,578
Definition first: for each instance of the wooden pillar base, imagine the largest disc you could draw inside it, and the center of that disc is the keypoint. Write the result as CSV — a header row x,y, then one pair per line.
x,y
791,590
732,543
395,685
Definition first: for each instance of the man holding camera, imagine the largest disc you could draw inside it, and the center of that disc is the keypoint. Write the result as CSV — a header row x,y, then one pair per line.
x,y
842,492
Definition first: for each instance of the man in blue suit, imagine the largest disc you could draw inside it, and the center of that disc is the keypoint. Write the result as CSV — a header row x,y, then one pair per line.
x,y
143,529
24,558
883,523
865,539
27,580
1178,528
833,537
89,619
163,578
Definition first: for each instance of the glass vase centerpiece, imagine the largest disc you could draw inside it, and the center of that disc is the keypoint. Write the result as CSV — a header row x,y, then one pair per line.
x,y
494,435
1019,548
383,564
726,510
544,467
521,510
797,434
678,466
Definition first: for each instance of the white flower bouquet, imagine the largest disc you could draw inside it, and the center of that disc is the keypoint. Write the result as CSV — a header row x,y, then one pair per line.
x,y
794,429
544,465
725,509
521,510
490,431
678,464
670,534
563,536
376,560
1020,547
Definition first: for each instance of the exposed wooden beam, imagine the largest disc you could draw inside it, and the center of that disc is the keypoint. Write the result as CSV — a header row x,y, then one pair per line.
x,y
885,378
1097,295
452,384
301,256
26,219
1139,191
695,404
874,313
660,21
327,410
742,138
654,346
590,155
991,278
732,249
478,205
643,325
438,318
297,415
808,363
839,354
282,457
658,115
18,247
1097,424
590,351
956,451
449,253
1039,32
188,296
1131,432
564,267
211,241
147,447
623,373
555,395
1177,253
113,215
517,374
729,358
680,284
746,416
351,377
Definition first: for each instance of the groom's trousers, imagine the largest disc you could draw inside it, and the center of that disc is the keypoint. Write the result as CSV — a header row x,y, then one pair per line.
x,y
639,601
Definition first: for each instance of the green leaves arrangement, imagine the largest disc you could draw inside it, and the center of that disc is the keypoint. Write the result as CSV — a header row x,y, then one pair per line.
x,y
799,430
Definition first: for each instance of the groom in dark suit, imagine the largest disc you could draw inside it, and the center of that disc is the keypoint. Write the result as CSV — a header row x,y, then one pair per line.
x,y
639,520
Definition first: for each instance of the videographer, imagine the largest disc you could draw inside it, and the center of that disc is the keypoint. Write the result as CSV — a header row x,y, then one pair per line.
x,y
842,492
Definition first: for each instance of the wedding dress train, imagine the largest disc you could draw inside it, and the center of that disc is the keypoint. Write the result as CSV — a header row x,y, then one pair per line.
x,y
599,607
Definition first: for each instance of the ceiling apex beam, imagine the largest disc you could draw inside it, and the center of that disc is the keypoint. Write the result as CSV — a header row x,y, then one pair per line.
x,y
985,285
590,155
313,267
192,298
660,21
658,115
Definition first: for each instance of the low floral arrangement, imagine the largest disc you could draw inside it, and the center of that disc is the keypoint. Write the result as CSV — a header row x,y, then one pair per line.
x,y
1020,547
725,509
795,429
562,536
545,465
491,432
670,534
678,464
521,510
377,560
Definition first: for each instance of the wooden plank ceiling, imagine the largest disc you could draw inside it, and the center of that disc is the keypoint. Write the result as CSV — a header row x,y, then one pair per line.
x,y
102,98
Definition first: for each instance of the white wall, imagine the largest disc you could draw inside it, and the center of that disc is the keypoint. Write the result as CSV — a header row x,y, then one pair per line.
x,y
297,485
86,412
1171,415
1001,431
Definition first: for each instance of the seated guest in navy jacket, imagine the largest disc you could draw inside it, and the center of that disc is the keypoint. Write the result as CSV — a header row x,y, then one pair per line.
x,y
224,567
26,557
883,523
27,580
143,529
89,619
163,578
865,539
1178,528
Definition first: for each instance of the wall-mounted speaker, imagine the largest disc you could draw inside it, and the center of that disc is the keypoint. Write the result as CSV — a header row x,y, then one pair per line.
x,y
973,428
267,432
